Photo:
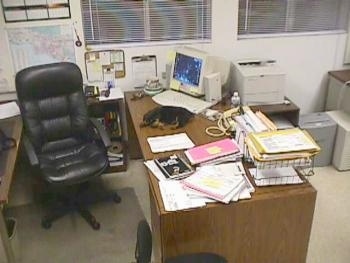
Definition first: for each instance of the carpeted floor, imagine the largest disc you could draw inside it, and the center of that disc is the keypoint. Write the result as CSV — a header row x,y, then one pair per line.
x,y
71,240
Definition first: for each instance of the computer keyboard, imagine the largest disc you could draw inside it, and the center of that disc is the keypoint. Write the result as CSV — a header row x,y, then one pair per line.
x,y
178,99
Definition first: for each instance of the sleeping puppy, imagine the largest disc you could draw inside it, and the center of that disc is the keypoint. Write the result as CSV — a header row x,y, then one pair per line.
x,y
177,117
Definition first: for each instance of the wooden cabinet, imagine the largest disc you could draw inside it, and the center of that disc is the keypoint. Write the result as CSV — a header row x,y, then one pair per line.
x,y
111,114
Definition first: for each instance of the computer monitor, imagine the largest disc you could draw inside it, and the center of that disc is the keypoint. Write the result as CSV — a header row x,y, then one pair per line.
x,y
188,71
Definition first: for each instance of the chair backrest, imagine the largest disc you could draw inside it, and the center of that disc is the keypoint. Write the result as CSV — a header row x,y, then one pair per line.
x,y
52,104
143,250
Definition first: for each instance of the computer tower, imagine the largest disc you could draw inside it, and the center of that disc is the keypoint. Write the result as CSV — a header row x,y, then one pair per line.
x,y
341,153
212,87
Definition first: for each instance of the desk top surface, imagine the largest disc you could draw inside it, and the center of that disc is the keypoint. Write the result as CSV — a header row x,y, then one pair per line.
x,y
341,75
195,129
12,128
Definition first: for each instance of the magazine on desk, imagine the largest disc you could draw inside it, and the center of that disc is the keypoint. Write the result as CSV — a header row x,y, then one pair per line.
x,y
174,167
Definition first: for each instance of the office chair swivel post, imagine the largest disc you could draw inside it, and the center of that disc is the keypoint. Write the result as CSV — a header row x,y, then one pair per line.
x,y
78,202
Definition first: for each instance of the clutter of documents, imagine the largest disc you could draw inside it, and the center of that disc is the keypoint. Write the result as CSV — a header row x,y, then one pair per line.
x,y
213,172
281,145
224,183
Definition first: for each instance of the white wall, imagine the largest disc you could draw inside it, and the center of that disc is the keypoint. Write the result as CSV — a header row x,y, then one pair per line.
x,y
305,59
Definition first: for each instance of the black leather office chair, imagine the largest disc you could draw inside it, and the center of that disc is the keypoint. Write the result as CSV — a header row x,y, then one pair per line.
x,y
66,147
143,251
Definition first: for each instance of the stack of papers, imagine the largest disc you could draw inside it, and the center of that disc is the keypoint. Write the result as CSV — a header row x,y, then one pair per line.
x,y
225,182
276,176
170,142
215,152
281,145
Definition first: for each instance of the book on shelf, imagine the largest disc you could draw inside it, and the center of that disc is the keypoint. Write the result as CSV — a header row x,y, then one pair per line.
x,y
116,162
112,123
211,151
174,167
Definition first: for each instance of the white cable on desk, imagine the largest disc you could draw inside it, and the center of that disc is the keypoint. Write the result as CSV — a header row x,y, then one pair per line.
x,y
223,127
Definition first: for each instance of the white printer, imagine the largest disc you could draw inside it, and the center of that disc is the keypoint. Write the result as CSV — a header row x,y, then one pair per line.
x,y
259,81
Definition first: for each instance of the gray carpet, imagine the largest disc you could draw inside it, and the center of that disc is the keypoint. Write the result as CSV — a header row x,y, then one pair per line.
x,y
71,239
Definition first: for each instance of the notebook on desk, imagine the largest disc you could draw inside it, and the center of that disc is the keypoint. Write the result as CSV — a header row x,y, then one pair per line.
x,y
213,150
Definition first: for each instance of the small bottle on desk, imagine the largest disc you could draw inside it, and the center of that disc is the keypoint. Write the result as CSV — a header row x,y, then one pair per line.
x,y
235,100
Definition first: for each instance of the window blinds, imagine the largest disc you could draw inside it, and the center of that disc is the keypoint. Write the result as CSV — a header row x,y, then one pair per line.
x,y
291,16
113,21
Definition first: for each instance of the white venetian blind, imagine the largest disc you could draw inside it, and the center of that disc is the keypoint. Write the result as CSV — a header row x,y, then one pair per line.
x,y
113,21
291,16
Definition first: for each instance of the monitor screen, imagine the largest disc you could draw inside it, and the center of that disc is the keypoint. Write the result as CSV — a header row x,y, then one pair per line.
x,y
187,69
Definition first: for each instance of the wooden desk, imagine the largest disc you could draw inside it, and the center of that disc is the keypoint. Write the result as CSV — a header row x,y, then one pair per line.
x,y
273,226
13,128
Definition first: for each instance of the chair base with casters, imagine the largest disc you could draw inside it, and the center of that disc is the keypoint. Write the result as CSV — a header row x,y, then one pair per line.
x,y
76,200
143,250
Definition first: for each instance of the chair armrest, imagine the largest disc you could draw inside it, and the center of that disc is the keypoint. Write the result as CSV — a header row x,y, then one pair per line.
x,y
102,132
28,146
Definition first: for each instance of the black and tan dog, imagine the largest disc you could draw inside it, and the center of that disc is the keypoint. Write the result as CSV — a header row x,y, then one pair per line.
x,y
176,117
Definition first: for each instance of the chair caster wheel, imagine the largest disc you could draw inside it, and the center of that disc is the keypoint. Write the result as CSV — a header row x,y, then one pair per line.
x,y
46,224
117,199
96,225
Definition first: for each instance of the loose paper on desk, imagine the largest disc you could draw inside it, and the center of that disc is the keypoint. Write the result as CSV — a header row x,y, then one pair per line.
x,y
170,142
8,110
175,197
151,165
218,182
275,176
115,93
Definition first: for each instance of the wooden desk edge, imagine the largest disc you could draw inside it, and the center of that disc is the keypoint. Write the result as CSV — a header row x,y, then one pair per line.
x,y
11,161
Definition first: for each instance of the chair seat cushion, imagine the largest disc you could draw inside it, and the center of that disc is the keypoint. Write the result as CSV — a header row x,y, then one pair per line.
x,y
74,164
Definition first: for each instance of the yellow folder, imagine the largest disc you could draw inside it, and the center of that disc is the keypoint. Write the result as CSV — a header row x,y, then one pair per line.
x,y
281,141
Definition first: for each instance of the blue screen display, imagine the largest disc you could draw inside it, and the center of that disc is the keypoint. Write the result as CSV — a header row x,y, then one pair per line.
x,y
187,69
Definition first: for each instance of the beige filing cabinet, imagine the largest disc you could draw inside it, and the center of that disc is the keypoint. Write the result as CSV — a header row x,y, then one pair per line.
x,y
338,96
341,152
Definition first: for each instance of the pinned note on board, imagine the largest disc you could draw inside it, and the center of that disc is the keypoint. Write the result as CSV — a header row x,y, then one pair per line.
x,y
105,65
